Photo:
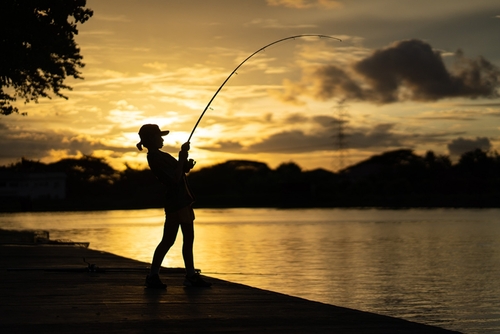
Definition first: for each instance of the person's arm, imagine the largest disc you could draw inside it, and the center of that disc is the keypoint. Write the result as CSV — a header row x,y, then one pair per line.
x,y
183,165
166,168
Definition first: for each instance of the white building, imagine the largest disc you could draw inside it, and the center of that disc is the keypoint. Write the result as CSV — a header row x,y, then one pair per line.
x,y
33,185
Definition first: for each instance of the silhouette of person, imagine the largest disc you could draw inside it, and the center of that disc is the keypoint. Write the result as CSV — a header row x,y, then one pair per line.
x,y
178,204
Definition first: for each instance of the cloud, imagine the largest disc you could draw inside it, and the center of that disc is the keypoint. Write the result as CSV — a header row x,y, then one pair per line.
x,y
224,146
317,134
294,141
275,24
112,18
408,70
296,118
302,4
38,145
156,65
461,145
452,115
322,137
381,136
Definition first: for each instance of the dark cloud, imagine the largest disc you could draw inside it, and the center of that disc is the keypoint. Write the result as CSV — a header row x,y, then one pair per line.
x,y
453,115
492,105
461,145
36,145
449,118
386,136
224,146
381,136
332,81
293,142
328,122
406,70
296,118
412,64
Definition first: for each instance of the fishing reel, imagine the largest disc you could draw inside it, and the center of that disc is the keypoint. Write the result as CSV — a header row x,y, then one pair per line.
x,y
191,163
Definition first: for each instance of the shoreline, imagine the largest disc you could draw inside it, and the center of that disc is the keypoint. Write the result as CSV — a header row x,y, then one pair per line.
x,y
69,296
79,206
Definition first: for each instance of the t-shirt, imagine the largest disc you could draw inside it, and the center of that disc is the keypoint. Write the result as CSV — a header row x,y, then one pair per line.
x,y
177,193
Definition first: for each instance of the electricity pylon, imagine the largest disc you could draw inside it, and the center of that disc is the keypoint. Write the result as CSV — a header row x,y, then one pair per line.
x,y
340,124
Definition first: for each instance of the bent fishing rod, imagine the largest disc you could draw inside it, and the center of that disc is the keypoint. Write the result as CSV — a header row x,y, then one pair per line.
x,y
247,58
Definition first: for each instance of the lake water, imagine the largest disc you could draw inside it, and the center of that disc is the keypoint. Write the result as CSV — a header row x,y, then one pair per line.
x,y
439,267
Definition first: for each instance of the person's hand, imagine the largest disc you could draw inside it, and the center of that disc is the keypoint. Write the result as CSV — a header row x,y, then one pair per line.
x,y
190,165
185,147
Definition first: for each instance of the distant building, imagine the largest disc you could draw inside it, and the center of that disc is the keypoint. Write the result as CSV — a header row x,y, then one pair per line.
x,y
33,185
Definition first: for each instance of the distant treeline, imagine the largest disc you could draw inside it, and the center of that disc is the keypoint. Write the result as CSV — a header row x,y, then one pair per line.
x,y
393,179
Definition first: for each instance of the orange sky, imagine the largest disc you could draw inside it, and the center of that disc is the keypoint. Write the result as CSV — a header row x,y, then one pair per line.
x,y
396,81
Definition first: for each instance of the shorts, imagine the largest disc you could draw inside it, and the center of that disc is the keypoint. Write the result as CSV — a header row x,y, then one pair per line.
x,y
184,215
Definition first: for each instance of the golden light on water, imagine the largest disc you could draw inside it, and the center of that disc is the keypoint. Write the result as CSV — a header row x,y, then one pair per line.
x,y
415,264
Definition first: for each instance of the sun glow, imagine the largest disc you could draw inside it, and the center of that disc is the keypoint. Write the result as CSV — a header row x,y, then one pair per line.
x,y
142,68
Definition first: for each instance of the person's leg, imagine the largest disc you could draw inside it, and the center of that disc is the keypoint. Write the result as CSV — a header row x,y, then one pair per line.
x,y
187,246
169,234
193,278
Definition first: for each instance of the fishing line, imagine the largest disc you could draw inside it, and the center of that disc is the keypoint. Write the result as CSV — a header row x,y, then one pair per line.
x,y
237,67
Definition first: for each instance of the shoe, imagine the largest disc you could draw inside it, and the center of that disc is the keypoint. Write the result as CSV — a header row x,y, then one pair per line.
x,y
196,280
153,282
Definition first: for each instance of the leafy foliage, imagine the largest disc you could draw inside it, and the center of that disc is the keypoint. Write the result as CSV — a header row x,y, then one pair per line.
x,y
398,178
38,48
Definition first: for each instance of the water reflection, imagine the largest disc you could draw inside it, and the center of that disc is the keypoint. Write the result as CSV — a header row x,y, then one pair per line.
x,y
434,266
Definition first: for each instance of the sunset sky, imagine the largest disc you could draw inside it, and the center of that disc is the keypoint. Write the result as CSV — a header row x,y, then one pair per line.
x,y
420,74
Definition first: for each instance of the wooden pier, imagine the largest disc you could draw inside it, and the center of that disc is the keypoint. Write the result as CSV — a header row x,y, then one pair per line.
x,y
49,288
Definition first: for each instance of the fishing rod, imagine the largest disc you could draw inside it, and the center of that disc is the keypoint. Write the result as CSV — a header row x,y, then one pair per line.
x,y
253,54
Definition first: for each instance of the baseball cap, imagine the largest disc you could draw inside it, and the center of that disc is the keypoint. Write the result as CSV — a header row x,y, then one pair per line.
x,y
147,132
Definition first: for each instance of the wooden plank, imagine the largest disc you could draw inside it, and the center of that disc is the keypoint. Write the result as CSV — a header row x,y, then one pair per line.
x,y
47,289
